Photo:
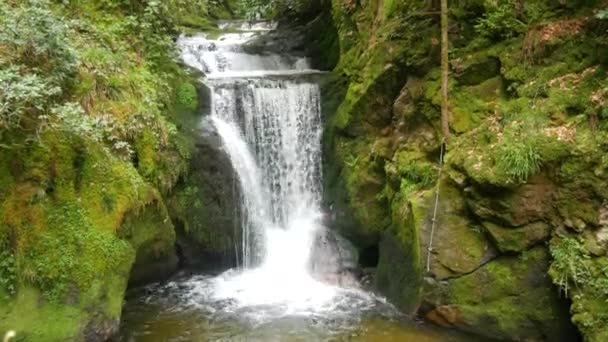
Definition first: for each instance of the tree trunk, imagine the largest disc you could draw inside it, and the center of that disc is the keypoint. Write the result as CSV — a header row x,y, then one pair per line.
x,y
445,115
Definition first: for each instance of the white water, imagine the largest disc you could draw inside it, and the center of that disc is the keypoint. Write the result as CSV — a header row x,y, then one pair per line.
x,y
271,130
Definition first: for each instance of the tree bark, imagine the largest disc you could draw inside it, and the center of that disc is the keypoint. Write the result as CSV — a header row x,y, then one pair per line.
x,y
445,115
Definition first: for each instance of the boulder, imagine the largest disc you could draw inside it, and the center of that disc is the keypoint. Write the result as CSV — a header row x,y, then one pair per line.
x,y
509,239
509,298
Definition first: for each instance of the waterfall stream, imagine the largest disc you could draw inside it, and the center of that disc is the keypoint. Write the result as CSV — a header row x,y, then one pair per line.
x,y
266,109
268,115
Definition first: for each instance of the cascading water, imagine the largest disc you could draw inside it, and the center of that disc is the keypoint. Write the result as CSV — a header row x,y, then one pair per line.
x,y
266,110
271,131
268,116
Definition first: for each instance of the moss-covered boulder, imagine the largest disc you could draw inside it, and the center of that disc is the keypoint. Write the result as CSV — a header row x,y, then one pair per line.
x,y
459,244
509,298
399,272
205,205
73,222
151,230
509,239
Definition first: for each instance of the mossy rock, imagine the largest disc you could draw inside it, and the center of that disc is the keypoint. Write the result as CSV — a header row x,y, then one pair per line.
x,y
62,219
476,68
399,271
459,245
355,191
508,298
509,239
516,207
150,231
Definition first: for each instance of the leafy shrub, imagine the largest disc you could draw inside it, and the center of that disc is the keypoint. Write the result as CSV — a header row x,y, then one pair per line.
x,y
23,96
573,265
32,36
499,20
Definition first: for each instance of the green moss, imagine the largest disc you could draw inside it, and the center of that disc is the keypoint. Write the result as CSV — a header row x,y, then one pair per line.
x,y
187,96
399,273
518,239
69,204
36,321
503,297
364,182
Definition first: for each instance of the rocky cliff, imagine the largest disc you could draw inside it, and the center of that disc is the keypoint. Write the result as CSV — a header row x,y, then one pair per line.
x,y
519,249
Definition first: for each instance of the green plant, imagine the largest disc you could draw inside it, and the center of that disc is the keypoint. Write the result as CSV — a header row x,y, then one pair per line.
x,y
33,36
602,14
570,263
187,96
8,269
518,157
500,20
23,97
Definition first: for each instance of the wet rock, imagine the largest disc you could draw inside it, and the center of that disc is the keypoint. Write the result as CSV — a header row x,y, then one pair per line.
x,y
205,205
334,259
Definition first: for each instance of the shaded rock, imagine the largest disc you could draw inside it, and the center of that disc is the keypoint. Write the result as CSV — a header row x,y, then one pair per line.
x,y
475,69
151,232
399,272
205,205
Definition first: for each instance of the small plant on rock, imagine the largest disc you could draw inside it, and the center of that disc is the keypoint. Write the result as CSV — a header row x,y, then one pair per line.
x,y
569,263
518,156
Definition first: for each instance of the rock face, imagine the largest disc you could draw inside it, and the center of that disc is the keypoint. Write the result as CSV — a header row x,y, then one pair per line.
x,y
522,188
206,205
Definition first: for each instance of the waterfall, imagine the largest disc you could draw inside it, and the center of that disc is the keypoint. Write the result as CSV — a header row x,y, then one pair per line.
x,y
271,131
267,112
